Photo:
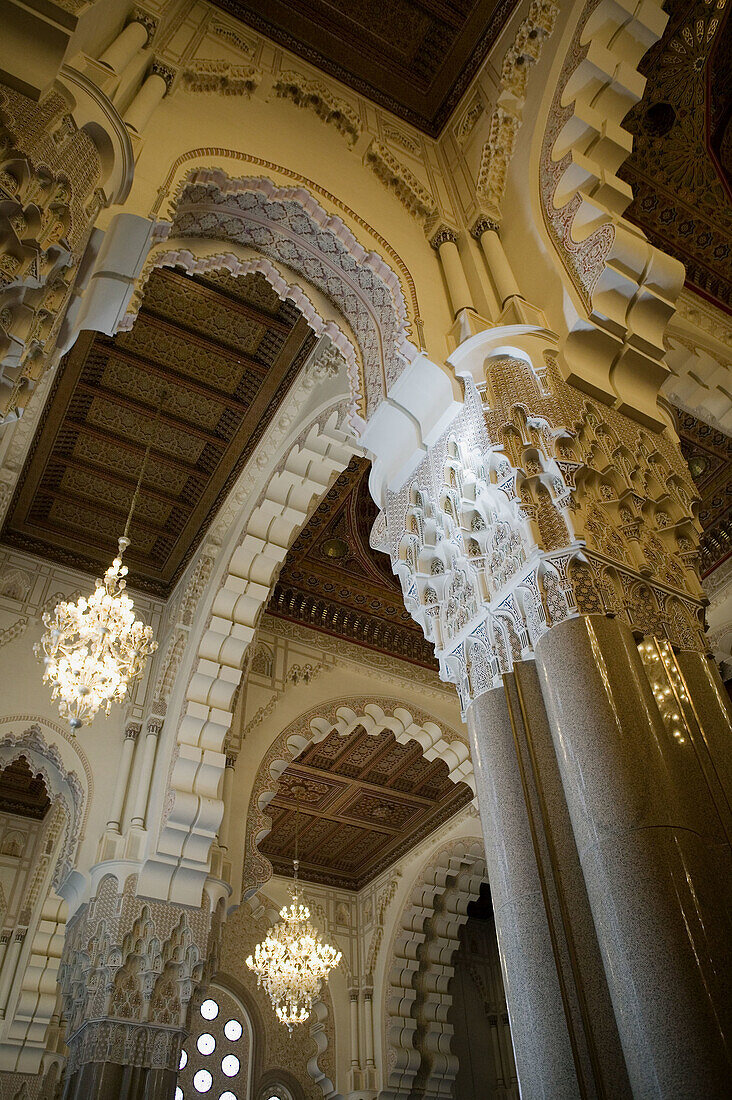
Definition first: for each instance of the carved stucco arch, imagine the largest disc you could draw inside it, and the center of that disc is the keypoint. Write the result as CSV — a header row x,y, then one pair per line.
x,y
288,225
63,784
374,714
623,288
416,993
193,809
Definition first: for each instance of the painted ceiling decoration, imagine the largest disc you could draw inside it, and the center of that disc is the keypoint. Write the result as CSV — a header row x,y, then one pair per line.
x,y
680,169
416,58
708,453
222,352
333,581
363,802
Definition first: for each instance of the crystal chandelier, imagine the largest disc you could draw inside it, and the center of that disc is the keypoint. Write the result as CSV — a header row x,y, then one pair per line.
x,y
292,962
95,648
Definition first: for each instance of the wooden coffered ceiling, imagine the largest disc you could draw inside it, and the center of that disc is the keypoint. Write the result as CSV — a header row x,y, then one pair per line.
x,y
22,792
333,581
362,801
222,351
680,168
414,57
708,453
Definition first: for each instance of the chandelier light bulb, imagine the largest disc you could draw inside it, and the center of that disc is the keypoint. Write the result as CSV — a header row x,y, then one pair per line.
x,y
292,962
95,648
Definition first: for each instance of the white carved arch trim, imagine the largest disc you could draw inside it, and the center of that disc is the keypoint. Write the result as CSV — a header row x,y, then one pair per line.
x,y
625,288
419,969
193,810
63,786
288,225
342,716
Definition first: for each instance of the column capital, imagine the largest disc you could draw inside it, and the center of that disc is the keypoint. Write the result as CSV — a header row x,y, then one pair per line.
x,y
148,21
154,725
440,233
166,72
482,225
231,758
132,731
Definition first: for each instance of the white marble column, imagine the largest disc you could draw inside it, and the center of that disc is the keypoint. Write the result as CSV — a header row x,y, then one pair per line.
x,y
143,780
444,241
226,796
486,233
151,94
128,42
368,1004
123,776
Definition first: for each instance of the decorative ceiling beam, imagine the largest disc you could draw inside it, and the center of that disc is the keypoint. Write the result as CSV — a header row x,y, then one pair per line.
x,y
127,444
150,411
226,351
135,359
269,320
115,478
103,507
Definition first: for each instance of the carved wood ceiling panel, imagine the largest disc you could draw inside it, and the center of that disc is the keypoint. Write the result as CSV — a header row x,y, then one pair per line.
x,y
333,581
363,802
222,352
681,165
413,57
22,792
708,452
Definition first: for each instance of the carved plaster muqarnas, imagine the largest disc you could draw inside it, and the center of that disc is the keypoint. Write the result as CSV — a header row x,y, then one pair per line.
x,y
539,505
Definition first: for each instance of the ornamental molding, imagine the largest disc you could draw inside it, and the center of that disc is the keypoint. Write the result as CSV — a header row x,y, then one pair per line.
x,y
505,121
624,286
316,96
220,77
418,200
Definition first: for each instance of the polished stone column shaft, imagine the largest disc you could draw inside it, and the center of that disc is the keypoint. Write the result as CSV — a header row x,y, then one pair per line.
x,y
545,1059
654,856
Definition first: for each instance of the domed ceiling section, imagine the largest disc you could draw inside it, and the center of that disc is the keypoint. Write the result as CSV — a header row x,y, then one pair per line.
x,y
220,352
681,165
414,57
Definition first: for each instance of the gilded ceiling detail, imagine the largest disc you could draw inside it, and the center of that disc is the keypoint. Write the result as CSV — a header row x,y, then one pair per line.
x,y
680,167
218,352
362,801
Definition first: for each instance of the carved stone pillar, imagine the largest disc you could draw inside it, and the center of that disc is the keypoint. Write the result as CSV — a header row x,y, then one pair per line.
x,y
444,242
142,793
485,232
126,993
549,532
227,799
